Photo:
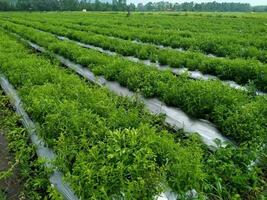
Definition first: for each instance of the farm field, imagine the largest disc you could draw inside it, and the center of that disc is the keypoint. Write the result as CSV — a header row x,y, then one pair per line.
x,y
151,106
22,176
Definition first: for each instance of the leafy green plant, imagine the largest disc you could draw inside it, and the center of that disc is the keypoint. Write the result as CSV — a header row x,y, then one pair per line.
x,y
28,170
102,139
239,70
107,143
200,99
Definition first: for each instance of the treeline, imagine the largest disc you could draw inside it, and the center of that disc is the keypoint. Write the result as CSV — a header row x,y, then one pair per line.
x,y
191,6
260,8
120,5
62,5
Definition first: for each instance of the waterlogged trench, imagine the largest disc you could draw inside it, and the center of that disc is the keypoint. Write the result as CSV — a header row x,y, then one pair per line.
x,y
175,117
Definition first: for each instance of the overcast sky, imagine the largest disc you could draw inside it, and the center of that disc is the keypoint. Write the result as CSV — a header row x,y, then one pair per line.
x,y
252,2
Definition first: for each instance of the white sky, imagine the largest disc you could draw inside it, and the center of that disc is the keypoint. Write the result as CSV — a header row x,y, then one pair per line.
x,y
252,2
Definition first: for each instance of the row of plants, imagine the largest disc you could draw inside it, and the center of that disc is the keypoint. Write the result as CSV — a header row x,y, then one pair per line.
x,y
187,33
220,45
191,23
107,146
237,114
234,23
106,152
241,71
25,168
231,23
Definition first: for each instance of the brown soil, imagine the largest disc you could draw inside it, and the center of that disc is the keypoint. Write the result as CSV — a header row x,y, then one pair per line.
x,y
10,186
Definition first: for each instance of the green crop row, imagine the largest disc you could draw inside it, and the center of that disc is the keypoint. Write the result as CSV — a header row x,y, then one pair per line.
x,y
216,23
106,145
237,114
239,70
183,32
109,146
26,173
221,45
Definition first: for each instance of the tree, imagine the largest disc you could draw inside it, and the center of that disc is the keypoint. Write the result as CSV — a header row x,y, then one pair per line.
x,y
132,7
140,7
24,4
119,5
5,5
191,6
68,4
45,5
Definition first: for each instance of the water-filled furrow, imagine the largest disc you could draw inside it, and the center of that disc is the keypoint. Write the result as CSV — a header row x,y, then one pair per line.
x,y
175,117
43,152
178,71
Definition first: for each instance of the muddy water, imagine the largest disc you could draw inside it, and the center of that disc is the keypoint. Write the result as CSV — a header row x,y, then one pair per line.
x,y
178,71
